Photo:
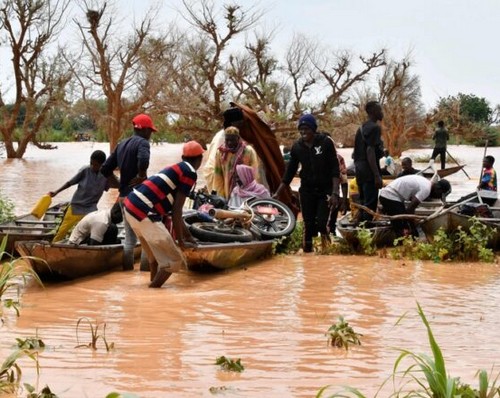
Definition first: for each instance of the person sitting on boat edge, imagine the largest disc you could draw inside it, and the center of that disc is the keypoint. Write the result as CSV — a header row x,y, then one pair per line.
x,y
412,188
246,187
387,164
98,227
407,168
488,185
91,185
160,194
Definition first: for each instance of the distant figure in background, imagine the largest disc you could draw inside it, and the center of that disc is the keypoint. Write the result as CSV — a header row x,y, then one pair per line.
x,y
440,138
412,188
387,167
488,184
407,168
98,227
91,185
246,187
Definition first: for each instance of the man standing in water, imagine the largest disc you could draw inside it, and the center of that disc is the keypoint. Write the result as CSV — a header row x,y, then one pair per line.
x,y
160,194
131,156
319,179
368,150
440,138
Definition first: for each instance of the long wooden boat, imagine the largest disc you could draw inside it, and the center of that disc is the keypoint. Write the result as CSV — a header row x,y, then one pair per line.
x,y
382,233
381,230
207,256
442,173
28,227
67,261
453,220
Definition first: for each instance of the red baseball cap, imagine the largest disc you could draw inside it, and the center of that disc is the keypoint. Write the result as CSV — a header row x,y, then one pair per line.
x,y
143,121
192,149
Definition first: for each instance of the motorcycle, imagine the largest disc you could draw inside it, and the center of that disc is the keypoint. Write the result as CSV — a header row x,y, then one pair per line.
x,y
257,219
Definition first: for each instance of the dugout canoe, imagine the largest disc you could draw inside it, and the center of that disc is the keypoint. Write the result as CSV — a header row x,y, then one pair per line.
x,y
63,260
28,227
211,256
427,174
453,220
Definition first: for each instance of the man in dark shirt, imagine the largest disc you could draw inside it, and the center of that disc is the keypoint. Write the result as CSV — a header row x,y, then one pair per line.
x,y
131,156
368,150
407,168
440,138
319,178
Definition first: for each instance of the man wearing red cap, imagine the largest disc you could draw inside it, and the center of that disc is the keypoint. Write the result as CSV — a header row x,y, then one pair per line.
x,y
158,195
131,156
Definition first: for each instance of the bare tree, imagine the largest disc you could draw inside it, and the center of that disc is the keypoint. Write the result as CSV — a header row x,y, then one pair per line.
x,y
337,71
253,74
40,76
115,64
215,33
404,118
300,70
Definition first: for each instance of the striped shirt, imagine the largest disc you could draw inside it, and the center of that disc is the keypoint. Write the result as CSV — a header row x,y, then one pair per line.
x,y
155,196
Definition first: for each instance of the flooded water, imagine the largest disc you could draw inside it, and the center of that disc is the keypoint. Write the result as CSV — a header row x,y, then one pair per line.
x,y
272,315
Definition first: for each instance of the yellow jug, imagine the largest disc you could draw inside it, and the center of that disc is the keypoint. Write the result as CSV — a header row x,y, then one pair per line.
x,y
41,206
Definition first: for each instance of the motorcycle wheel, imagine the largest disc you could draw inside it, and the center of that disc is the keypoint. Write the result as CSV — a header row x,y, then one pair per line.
x,y
212,232
272,225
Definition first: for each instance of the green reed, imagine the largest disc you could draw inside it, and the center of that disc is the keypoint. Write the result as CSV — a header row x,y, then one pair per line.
x,y
95,335
342,335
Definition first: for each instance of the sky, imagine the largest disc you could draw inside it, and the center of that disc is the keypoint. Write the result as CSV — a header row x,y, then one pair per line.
x,y
452,42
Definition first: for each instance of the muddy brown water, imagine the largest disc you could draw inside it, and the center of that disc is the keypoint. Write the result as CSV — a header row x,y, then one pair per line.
x,y
273,315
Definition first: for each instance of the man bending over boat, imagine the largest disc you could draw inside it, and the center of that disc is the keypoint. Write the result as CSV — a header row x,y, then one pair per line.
x,y
98,227
91,184
157,196
412,188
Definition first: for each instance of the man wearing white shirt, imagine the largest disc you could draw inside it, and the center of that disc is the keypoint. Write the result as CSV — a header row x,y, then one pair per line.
x,y
411,188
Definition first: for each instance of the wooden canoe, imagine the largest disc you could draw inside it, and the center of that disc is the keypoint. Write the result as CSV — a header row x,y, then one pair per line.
x,y
223,256
381,231
67,261
427,174
453,220
28,227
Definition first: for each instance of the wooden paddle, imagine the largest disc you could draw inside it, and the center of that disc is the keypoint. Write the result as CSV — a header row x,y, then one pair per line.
x,y
458,164
388,217
444,210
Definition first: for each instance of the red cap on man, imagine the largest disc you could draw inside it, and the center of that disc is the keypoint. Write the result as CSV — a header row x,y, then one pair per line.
x,y
143,121
191,149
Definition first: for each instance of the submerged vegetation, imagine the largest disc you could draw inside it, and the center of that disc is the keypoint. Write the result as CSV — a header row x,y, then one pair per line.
x,y
6,209
341,334
425,376
229,364
460,245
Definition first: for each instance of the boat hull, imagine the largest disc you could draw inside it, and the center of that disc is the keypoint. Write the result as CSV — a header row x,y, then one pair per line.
x,y
226,255
28,227
66,261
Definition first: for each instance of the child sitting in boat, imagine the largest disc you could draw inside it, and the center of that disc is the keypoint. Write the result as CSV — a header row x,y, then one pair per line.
x,y
246,187
488,184
98,227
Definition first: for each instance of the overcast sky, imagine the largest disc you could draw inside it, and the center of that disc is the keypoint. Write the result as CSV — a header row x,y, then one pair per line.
x,y
453,43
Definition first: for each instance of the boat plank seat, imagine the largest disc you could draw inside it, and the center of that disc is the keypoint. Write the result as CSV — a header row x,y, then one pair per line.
x,y
7,229
41,222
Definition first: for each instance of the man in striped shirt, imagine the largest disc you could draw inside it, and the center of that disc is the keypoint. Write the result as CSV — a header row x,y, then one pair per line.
x,y
163,193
